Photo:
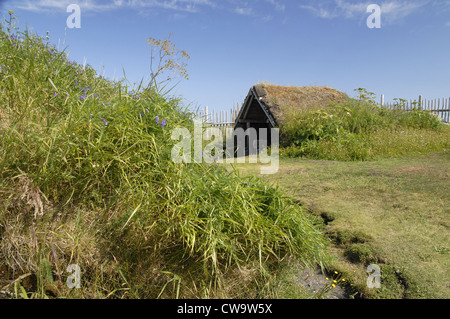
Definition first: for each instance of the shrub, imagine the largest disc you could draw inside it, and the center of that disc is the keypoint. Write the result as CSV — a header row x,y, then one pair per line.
x,y
360,130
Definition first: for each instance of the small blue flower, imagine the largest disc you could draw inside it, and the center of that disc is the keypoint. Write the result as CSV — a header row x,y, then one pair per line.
x,y
104,121
82,97
157,119
163,123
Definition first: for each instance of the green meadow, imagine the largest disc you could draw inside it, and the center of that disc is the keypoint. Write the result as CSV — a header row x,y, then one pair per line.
x,y
390,212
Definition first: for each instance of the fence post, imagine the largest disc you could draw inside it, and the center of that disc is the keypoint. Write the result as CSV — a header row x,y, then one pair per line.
x,y
382,99
420,103
448,113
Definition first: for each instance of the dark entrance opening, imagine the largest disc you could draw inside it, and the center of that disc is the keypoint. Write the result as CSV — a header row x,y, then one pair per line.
x,y
254,118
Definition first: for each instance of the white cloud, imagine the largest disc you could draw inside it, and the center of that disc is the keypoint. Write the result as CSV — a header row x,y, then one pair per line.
x,y
97,5
244,8
278,6
391,10
47,5
350,10
396,10
267,18
244,11
254,8
320,11
178,5
442,5
43,5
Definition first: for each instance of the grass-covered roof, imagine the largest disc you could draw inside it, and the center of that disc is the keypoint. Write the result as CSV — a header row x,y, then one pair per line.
x,y
284,100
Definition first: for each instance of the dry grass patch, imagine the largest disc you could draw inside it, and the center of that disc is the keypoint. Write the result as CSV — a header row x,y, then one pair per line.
x,y
283,101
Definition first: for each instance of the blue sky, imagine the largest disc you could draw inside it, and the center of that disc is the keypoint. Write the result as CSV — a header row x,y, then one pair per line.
x,y
236,44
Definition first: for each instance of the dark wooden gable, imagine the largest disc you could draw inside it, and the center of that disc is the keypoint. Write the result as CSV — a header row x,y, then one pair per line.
x,y
254,113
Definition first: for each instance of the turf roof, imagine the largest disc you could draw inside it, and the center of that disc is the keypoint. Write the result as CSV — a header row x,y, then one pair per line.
x,y
284,100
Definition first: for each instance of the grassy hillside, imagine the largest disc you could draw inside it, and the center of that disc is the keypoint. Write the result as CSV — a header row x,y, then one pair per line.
x,y
86,178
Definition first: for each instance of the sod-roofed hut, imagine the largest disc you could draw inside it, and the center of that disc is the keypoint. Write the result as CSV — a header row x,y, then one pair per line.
x,y
267,105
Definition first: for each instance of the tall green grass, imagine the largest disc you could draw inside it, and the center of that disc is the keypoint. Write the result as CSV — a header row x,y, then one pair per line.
x,y
86,178
361,130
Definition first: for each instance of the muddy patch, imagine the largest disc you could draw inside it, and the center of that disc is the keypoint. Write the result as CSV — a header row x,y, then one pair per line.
x,y
321,285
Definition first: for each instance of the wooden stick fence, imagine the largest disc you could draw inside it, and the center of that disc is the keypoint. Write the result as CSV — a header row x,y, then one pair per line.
x,y
212,118
440,107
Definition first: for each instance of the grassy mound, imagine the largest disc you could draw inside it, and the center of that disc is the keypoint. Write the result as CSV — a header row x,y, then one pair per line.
x,y
361,130
86,179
